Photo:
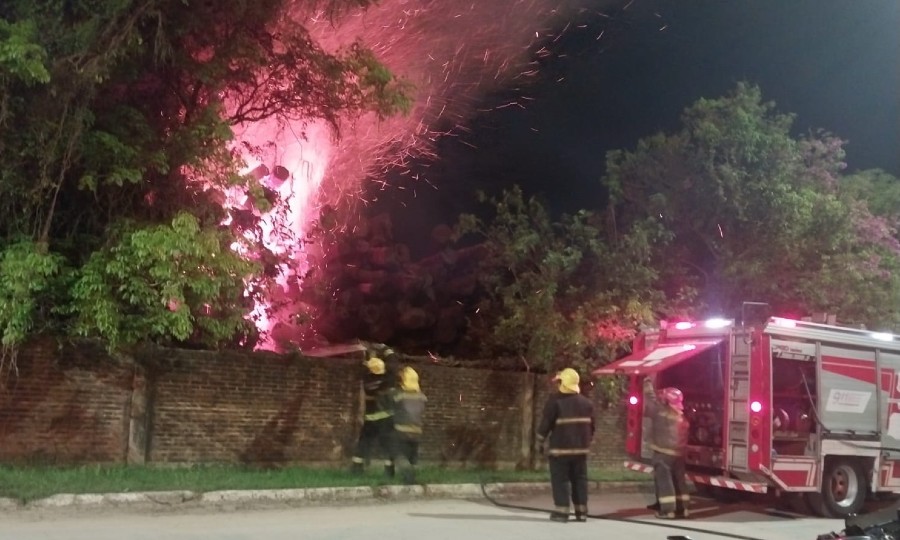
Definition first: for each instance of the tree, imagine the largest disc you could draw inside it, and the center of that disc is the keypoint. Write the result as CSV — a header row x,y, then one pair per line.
x,y
116,154
558,294
756,214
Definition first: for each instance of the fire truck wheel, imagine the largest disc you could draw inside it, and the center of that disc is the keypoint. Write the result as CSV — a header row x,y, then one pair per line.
x,y
843,489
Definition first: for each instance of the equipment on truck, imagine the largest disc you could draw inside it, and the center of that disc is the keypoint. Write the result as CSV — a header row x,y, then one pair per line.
x,y
810,411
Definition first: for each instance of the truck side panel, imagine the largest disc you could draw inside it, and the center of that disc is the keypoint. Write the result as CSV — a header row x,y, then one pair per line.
x,y
889,403
848,400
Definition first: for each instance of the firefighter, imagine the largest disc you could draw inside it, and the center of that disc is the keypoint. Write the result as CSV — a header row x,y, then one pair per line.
x,y
409,407
378,424
568,419
670,434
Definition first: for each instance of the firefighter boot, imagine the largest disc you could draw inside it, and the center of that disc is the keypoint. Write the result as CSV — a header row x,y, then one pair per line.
x,y
409,476
559,517
580,512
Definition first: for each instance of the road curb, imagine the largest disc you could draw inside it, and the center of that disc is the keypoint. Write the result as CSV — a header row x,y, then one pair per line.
x,y
299,496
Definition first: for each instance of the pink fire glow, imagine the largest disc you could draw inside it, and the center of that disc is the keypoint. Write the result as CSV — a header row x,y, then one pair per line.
x,y
452,51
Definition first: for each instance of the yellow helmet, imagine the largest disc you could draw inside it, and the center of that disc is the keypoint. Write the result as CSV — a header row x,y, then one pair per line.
x,y
409,380
568,381
375,365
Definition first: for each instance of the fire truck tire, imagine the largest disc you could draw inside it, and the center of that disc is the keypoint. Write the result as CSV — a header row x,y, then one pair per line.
x,y
843,490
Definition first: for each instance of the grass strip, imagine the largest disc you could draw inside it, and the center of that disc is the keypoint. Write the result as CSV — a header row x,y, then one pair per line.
x,y
30,483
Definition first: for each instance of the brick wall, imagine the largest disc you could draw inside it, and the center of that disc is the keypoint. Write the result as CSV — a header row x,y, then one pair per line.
x,y
251,408
66,404
78,405
473,416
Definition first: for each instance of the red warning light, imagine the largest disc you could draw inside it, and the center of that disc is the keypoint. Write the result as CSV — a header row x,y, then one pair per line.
x,y
756,406
684,325
633,400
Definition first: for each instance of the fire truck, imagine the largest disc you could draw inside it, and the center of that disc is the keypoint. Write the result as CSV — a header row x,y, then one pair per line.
x,y
806,410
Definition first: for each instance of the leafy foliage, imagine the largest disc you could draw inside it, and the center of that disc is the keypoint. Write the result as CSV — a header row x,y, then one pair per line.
x,y
730,208
117,151
559,293
163,282
30,282
757,215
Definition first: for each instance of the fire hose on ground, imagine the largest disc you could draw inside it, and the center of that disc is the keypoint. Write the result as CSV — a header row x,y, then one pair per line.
x,y
884,525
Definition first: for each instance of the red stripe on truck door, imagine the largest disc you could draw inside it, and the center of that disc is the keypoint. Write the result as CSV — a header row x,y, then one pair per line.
x,y
861,370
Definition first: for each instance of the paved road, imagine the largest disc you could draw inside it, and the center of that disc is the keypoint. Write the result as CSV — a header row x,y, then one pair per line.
x,y
411,520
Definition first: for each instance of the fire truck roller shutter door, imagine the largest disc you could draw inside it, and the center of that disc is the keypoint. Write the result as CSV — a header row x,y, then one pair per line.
x,y
657,359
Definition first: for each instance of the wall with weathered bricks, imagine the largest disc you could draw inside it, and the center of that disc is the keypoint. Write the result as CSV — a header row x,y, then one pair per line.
x,y
77,405
64,403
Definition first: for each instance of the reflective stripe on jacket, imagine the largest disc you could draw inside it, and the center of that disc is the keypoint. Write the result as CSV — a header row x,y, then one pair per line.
x,y
377,400
568,419
409,408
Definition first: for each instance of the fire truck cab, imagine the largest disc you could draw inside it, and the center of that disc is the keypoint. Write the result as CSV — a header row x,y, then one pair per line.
x,y
803,409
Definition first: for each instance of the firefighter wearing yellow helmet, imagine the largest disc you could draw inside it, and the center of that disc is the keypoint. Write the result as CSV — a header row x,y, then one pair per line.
x,y
378,381
409,408
670,437
568,420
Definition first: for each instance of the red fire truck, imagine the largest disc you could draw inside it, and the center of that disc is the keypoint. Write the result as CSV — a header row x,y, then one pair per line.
x,y
810,411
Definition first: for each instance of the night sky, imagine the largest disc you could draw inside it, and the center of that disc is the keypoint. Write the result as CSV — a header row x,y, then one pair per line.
x,y
834,63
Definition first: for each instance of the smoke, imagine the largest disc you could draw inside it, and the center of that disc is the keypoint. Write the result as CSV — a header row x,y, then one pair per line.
x,y
452,51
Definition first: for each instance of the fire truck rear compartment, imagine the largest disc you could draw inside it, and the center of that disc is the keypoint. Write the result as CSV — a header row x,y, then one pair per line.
x,y
793,406
701,379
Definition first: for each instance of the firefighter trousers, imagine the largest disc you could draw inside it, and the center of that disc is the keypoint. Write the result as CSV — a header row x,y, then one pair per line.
x,y
569,482
671,487
375,434
406,455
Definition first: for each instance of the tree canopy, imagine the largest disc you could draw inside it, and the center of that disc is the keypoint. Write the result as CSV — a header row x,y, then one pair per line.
x,y
116,149
730,208
757,214
559,293
117,154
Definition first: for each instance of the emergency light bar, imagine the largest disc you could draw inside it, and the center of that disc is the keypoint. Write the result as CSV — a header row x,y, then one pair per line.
x,y
787,323
709,323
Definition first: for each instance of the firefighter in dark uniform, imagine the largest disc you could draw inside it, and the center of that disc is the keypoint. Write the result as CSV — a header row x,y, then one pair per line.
x,y
568,419
378,383
409,408
670,436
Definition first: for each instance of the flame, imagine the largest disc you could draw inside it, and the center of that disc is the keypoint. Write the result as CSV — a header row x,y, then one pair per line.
x,y
304,155
453,52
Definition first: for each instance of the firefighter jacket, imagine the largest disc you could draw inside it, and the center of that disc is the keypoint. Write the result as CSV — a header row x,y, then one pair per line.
x,y
569,421
670,427
409,407
409,404
378,381
377,396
